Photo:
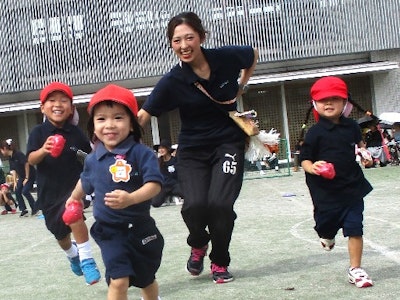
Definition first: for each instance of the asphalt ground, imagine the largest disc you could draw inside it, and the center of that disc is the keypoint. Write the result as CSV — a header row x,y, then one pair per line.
x,y
275,251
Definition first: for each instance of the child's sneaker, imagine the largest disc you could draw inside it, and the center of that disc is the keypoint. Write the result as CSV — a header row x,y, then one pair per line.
x,y
75,265
359,277
90,271
220,274
327,244
4,212
13,211
195,263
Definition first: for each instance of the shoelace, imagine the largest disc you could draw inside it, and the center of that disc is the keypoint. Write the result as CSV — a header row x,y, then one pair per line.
x,y
359,273
218,269
198,254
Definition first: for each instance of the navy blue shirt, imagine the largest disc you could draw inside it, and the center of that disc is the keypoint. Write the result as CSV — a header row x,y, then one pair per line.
x,y
168,170
57,177
17,163
335,143
99,177
203,122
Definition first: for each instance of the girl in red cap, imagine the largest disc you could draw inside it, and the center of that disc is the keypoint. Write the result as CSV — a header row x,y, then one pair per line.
x,y
124,175
338,201
57,176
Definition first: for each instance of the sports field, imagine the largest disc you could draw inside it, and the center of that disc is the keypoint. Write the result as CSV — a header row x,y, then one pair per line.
x,y
275,251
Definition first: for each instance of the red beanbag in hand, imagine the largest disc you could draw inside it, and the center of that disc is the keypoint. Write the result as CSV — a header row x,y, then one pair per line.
x,y
58,145
73,212
327,171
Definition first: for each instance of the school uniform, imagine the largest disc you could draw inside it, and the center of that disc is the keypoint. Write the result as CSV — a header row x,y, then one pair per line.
x,y
130,243
337,202
57,177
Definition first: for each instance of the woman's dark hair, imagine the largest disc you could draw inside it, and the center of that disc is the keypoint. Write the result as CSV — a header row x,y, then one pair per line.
x,y
188,18
137,132
9,144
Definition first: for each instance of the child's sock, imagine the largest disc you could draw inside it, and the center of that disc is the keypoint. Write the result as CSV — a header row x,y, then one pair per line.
x,y
72,252
13,206
85,251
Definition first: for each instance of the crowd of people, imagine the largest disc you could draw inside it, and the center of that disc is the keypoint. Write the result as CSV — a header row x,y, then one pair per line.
x,y
205,173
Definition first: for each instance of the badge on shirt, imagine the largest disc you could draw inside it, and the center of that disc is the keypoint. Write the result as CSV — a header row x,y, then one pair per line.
x,y
120,170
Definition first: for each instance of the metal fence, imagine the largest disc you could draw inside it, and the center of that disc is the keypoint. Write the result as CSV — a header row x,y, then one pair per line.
x,y
85,42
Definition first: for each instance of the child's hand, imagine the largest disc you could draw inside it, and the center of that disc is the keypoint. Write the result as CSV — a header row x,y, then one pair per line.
x,y
73,211
57,145
326,170
117,199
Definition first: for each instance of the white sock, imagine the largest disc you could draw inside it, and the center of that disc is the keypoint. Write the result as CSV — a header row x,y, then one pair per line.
x,y
12,206
85,251
72,252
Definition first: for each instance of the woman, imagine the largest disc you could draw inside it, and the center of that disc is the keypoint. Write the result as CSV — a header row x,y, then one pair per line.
x,y
211,146
24,176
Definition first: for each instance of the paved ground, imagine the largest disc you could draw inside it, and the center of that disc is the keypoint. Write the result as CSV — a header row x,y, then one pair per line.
x,y
275,251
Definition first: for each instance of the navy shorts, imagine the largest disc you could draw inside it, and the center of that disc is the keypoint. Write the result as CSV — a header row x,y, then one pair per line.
x,y
54,221
349,218
128,250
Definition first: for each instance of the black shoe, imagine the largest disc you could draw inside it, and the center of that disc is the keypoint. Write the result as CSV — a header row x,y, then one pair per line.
x,y
220,274
195,263
23,213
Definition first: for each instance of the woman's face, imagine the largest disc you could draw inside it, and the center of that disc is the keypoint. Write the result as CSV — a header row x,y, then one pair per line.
x,y
186,43
112,124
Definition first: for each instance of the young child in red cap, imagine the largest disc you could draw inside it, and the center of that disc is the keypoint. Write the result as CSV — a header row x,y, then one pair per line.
x,y
124,175
57,176
338,201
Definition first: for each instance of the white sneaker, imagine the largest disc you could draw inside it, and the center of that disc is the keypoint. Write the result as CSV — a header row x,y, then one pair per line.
x,y
327,244
262,172
359,277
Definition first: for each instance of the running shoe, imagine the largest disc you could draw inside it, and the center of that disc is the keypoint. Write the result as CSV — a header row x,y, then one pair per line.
x,y
359,278
220,274
75,263
90,271
327,244
195,264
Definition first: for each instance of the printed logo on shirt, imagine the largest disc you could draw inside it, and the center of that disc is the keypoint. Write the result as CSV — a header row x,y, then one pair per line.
x,y
223,84
229,165
149,239
120,171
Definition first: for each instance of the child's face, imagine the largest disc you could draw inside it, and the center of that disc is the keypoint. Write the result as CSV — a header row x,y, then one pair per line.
x,y
330,108
112,124
57,108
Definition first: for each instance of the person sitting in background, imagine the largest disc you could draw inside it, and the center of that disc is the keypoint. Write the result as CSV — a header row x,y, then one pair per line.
x,y
374,142
170,189
7,202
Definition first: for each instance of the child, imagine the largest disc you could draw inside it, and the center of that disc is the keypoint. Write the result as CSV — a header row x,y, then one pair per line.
x,y
124,175
57,176
24,175
6,199
338,203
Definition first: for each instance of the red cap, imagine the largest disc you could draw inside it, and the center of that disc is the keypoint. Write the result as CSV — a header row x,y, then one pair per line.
x,y
329,87
4,185
55,86
117,94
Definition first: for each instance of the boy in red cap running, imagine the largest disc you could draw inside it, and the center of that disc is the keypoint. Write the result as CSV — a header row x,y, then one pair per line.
x,y
124,175
57,176
338,201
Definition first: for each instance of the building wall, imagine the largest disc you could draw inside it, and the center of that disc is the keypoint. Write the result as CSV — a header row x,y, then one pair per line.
x,y
386,86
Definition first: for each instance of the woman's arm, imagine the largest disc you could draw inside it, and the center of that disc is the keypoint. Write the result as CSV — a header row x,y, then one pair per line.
x,y
247,73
